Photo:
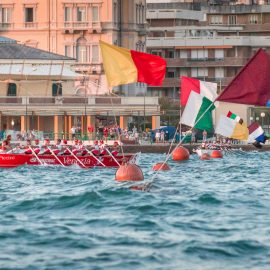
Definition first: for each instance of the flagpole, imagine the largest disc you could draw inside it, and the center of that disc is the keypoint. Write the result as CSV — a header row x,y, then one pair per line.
x,y
148,185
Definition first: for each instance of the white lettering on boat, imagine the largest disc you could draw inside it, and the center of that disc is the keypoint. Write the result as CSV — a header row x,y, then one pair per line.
x,y
7,157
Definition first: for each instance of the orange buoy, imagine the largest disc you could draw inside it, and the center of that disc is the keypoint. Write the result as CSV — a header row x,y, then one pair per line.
x,y
180,153
205,156
129,172
160,166
216,154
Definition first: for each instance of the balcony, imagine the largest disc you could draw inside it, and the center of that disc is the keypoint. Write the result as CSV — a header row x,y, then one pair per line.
x,y
30,25
6,26
175,82
175,14
207,62
73,26
201,42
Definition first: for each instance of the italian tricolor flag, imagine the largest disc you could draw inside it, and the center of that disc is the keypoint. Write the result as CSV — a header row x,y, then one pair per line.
x,y
235,117
232,126
198,112
206,89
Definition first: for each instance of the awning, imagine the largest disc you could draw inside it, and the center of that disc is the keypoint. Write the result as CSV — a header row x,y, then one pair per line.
x,y
37,72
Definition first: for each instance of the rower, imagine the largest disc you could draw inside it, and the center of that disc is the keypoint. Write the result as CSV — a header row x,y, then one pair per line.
x,y
57,148
4,147
27,147
37,146
65,148
82,148
115,148
45,146
96,150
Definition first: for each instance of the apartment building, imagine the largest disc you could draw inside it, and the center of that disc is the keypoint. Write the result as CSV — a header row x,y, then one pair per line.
x,y
208,42
74,27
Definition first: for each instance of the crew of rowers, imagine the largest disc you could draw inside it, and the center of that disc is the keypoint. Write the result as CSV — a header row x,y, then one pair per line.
x,y
61,147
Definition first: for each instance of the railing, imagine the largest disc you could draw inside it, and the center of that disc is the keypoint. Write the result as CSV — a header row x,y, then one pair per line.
x,y
206,62
78,101
81,25
208,41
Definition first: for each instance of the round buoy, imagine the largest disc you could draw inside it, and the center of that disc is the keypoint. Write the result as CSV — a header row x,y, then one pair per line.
x,y
180,153
129,172
205,156
216,154
161,166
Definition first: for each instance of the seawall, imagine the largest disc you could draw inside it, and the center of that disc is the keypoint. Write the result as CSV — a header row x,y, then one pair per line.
x,y
164,148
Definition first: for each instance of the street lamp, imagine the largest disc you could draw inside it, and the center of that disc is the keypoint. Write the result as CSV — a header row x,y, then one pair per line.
x,y
12,123
257,118
262,116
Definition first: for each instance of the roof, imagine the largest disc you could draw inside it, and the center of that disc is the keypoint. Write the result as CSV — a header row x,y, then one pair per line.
x,y
37,72
7,40
12,50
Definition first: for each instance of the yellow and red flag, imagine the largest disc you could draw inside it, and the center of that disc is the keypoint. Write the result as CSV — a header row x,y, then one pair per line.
x,y
123,66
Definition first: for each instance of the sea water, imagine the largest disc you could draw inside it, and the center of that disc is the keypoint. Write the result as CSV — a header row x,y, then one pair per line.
x,y
200,215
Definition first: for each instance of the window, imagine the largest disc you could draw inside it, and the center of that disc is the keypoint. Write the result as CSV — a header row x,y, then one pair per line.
x,y
253,19
169,54
12,89
6,15
199,72
232,19
95,14
29,15
68,14
199,54
57,89
216,19
183,54
158,53
68,51
81,14
137,14
81,50
170,74
95,53
183,72
219,72
219,54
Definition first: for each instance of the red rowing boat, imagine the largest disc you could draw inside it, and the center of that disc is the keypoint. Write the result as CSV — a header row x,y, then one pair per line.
x,y
15,160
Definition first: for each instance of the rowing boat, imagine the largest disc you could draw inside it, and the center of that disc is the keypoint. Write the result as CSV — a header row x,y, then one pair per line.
x,y
15,160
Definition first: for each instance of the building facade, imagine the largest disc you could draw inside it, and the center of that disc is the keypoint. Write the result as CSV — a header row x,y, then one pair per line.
x,y
210,42
74,27
37,93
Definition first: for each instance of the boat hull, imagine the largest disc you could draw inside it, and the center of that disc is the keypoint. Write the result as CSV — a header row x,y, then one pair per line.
x,y
15,160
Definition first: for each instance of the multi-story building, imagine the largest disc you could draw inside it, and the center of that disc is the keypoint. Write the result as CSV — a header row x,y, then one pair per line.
x,y
206,41
74,27
37,93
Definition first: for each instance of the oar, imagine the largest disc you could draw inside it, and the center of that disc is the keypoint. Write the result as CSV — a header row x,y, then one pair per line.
x,y
112,156
75,157
34,153
91,154
56,157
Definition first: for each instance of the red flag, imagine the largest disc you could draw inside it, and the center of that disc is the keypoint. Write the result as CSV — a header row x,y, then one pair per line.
x,y
188,85
151,68
251,85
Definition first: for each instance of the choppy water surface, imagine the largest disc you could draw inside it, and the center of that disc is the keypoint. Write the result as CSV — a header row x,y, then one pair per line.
x,y
201,215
